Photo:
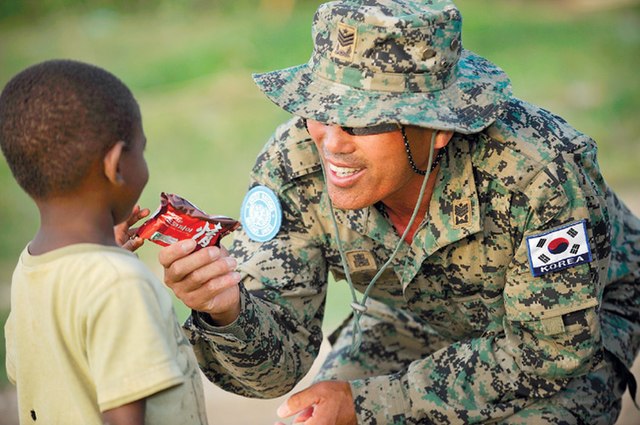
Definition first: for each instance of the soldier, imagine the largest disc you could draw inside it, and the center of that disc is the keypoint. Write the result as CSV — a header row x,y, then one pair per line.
x,y
498,273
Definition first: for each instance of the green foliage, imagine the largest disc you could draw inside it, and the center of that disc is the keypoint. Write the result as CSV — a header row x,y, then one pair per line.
x,y
30,9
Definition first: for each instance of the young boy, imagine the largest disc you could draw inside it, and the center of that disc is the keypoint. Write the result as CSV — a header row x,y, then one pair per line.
x,y
92,337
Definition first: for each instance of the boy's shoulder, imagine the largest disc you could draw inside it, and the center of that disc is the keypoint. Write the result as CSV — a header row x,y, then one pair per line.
x,y
90,262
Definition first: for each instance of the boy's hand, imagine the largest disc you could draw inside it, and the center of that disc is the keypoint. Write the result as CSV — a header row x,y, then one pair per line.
x,y
125,234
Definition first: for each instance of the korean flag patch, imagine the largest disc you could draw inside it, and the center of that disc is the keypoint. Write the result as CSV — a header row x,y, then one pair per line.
x,y
559,249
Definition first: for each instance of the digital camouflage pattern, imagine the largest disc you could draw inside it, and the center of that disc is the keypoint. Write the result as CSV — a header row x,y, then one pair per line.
x,y
390,61
458,330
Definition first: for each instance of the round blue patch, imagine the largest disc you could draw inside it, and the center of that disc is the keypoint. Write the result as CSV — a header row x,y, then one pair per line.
x,y
261,215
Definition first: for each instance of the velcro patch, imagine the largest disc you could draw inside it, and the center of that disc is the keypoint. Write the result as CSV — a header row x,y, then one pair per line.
x,y
559,249
361,260
552,325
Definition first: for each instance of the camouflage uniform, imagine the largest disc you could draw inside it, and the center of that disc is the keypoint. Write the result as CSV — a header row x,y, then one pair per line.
x,y
458,329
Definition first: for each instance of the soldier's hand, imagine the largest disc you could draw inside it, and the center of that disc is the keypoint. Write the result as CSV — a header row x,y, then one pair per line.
x,y
323,403
204,280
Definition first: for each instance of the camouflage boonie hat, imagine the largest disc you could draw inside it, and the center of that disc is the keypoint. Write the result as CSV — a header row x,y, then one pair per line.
x,y
390,61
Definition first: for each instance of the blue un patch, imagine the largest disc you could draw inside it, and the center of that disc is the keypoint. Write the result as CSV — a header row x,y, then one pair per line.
x,y
261,214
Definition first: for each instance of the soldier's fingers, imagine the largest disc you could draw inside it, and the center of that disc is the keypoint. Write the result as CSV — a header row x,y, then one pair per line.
x,y
169,254
297,402
227,295
179,260
219,295
331,401
304,415
210,277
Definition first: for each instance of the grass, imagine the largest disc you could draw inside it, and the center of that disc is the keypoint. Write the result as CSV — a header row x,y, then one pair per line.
x,y
206,121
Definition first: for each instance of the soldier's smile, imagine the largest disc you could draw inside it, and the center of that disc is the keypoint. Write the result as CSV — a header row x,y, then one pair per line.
x,y
342,172
341,175
364,169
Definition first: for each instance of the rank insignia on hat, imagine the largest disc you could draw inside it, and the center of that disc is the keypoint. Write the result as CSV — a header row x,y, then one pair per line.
x,y
360,260
461,212
565,247
345,42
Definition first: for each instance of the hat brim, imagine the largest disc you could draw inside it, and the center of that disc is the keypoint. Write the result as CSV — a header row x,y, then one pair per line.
x,y
468,105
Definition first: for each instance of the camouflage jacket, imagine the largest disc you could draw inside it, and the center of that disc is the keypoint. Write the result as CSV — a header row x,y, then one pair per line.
x,y
466,275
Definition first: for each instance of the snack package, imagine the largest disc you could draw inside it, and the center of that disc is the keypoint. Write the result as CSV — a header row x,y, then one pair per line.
x,y
177,219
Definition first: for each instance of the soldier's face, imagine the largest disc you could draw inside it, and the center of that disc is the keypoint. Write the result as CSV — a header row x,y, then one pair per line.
x,y
363,170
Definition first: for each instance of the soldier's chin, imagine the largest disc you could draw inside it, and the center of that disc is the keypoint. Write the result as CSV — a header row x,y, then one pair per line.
x,y
348,199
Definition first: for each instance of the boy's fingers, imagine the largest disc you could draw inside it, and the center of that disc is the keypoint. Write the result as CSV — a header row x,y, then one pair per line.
x,y
143,213
133,244
137,214
133,217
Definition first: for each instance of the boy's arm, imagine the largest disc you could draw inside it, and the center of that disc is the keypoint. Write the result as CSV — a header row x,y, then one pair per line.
x,y
127,414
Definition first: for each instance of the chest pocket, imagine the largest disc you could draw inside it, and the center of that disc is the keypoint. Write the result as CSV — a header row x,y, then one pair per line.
x,y
387,288
456,314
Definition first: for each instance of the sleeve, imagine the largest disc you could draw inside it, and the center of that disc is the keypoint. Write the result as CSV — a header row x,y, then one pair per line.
x,y
621,300
131,347
549,332
274,341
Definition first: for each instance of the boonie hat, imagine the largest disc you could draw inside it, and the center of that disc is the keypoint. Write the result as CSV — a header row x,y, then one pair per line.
x,y
390,61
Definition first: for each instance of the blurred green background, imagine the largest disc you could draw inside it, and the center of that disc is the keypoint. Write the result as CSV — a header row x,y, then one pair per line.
x,y
189,64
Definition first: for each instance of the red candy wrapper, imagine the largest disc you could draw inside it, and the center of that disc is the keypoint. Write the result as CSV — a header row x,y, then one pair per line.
x,y
179,219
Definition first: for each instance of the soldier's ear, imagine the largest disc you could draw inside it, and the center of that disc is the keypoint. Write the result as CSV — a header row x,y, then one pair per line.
x,y
111,163
442,138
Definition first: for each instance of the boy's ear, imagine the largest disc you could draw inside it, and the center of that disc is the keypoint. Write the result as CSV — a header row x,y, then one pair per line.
x,y
111,162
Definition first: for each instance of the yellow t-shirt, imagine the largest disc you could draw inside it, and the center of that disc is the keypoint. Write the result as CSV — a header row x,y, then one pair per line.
x,y
91,329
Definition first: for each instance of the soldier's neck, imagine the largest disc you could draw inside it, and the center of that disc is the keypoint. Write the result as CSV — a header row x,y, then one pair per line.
x,y
400,216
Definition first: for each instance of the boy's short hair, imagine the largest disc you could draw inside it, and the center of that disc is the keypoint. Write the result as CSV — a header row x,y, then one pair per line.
x,y
57,117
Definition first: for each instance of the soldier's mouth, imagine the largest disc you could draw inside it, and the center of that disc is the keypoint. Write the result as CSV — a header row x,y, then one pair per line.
x,y
343,171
